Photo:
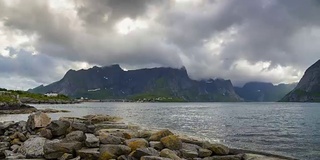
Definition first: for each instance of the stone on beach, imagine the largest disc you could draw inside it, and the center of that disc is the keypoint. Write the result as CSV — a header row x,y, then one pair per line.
x,y
136,143
160,134
172,142
38,120
106,138
218,149
140,152
59,128
75,136
56,148
33,147
91,141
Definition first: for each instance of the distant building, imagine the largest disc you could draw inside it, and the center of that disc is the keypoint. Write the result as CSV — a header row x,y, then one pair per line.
x,y
51,94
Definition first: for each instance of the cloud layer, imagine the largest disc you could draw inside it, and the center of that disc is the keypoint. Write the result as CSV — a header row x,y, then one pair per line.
x,y
247,40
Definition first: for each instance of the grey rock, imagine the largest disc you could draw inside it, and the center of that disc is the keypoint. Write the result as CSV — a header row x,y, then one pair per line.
x,y
204,152
190,147
79,126
6,124
75,136
91,141
154,158
169,154
228,157
46,133
218,149
140,152
156,145
125,157
66,156
33,147
136,143
172,142
59,128
160,134
11,155
110,139
114,149
89,154
189,154
38,120
56,148
110,126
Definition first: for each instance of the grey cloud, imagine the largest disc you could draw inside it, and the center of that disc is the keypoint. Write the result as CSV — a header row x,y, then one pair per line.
x,y
285,33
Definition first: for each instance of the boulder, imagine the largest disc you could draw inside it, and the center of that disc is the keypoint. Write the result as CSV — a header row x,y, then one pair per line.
x,y
125,157
56,148
169,154
75,136
33,147
16,141
14,148
190,147
3,146
140,152
6,124
136,143
91,140
218,149
154,158
113,149
89,153
204,152
94,119
11,155
156,145
59,128
110,126
189,154
172,142
66,156
46,133
19,136
75,126
106,138
160,134
228,157
38,120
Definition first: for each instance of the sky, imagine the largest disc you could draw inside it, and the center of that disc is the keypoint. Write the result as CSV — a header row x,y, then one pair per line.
x,y
242,40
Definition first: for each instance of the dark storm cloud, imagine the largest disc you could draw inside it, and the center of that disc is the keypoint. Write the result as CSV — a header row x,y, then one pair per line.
x,y
247,40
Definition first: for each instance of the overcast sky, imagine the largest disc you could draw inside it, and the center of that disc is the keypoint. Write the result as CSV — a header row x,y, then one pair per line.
x,y
242,40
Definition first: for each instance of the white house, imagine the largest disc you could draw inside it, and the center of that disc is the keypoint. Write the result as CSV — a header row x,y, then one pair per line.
x,y
51,94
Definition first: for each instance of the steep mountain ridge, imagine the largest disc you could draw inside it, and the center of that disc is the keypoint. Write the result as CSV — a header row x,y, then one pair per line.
x,y
308,88
112,82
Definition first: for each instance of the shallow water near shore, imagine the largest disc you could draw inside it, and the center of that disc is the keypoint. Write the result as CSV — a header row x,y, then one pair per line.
x,y
291,129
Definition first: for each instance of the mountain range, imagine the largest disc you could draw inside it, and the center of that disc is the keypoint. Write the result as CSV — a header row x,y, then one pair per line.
x,y
158,84
308,88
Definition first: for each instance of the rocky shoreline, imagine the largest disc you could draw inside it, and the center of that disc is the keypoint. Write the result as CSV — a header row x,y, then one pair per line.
x,y
20,108
106,137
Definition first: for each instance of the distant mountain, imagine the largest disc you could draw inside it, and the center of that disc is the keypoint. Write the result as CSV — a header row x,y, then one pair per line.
x,y
308,89
263,92
112,82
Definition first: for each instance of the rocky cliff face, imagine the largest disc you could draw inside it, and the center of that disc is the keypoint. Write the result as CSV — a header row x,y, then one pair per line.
x,y
308,89
112,82
263,92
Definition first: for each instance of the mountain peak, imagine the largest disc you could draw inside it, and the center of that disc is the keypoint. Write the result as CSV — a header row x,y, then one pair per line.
x,y
308,88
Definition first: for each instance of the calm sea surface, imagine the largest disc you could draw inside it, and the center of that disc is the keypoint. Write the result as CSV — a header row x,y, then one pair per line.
x,y
291,129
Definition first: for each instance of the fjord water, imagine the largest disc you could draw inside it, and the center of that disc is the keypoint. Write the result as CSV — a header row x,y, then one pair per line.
x,y
291,129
